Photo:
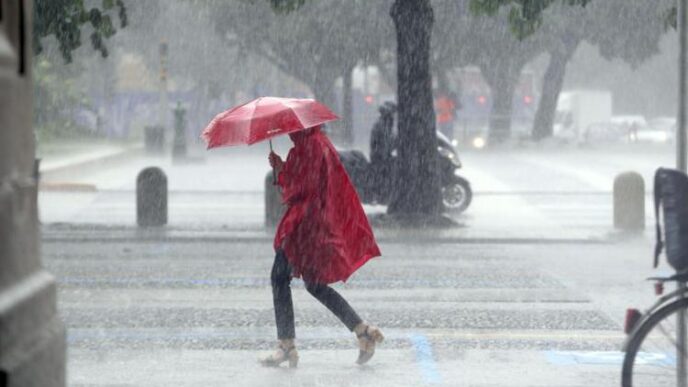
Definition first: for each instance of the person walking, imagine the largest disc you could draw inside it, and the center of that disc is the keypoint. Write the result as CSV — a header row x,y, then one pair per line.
x,y
382,145
445,106
323,238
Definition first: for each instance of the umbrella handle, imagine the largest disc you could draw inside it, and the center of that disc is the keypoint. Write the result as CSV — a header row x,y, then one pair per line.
x,y
274,177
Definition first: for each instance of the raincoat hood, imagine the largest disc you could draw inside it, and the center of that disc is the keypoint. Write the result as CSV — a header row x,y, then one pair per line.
x,y
299,137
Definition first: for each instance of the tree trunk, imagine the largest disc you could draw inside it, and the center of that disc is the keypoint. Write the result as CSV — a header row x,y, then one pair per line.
x,y
323,90
348,106
502,78
551,87
500,116
443,83
387,74
416,191
326,96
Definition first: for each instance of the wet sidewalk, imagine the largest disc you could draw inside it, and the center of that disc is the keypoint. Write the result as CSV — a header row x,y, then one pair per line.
x,y
62,162
222,195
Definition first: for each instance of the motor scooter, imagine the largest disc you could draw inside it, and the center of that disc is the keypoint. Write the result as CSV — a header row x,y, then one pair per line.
x,y
376,188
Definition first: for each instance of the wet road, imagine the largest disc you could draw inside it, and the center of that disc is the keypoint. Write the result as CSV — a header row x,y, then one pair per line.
x,y
154,313
530,290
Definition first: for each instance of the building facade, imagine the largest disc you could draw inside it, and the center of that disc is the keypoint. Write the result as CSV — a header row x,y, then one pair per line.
x,y
32,337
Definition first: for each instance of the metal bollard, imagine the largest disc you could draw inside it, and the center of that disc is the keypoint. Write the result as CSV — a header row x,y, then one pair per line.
x,y
37,180
151,198
629,202
274,209
179,143
154,139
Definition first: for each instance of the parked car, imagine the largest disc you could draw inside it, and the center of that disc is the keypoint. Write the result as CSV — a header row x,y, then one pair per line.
x,y
604,132
630,119
635,127
659,129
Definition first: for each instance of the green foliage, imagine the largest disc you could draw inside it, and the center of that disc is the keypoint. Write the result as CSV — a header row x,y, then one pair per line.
x,y
315,44
65,18
57,95
671,18
525,16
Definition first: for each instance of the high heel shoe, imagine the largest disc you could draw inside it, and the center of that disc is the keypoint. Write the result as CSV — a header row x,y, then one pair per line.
x,y
284,352
368,336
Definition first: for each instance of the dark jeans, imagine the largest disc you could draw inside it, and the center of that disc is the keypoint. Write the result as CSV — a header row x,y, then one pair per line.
x,y
284,308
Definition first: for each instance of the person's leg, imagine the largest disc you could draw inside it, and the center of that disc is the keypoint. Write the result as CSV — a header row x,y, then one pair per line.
x,y
367,334
335,303
281,297
284,314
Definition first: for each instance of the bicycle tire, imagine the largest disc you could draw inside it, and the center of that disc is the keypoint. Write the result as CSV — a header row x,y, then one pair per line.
x,y
639,335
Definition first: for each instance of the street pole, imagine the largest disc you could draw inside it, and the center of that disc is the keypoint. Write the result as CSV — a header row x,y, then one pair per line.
x,y
681,339
681,165
682,59
164,111
347,106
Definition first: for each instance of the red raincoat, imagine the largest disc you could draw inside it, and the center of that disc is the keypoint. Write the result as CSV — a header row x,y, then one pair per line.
x,y
324,233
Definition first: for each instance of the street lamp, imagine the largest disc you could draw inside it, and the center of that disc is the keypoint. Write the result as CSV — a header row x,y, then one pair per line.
x,y
682,58
164,112
681,165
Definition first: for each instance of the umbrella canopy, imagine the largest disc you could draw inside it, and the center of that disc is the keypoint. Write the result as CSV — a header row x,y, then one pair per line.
x,y
264,118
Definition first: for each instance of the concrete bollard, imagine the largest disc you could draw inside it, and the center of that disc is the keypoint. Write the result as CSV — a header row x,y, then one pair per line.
x,y
274,209
151,198
629,202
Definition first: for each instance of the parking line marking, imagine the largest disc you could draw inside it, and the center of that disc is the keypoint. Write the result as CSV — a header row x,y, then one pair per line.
x,y
424,358
613,358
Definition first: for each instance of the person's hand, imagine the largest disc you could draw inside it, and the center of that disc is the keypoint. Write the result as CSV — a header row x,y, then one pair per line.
x,y
276,162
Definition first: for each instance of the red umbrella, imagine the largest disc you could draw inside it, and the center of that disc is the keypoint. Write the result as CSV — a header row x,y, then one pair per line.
x,y
264,118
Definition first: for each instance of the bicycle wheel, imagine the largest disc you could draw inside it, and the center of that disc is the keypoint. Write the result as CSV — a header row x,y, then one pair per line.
x,y
653,351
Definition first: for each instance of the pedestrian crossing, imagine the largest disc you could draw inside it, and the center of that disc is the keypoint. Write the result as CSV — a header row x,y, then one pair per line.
x,y
451,314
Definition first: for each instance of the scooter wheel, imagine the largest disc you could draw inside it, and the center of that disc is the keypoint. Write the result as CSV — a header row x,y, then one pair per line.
x,y
457,196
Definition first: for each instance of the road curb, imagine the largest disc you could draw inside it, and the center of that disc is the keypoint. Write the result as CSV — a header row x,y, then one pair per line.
x,y
66,187
268,239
